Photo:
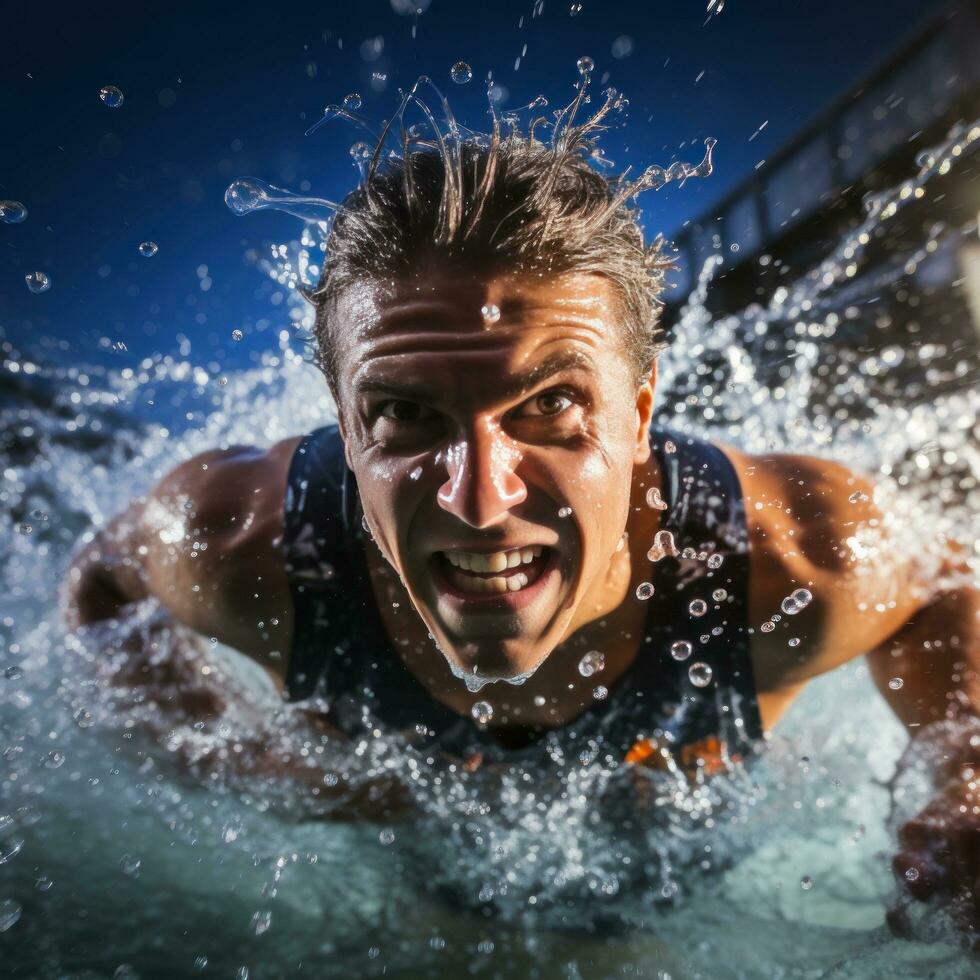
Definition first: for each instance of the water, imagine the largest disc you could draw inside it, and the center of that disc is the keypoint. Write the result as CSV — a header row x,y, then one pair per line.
x,y
130,846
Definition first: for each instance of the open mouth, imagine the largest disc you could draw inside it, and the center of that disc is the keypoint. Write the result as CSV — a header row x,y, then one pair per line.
x,y
499,573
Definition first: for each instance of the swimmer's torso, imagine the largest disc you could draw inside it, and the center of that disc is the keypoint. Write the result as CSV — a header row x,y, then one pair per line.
x,y
689,687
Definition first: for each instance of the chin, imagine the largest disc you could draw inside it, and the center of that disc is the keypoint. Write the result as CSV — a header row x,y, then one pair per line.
x,y
493,661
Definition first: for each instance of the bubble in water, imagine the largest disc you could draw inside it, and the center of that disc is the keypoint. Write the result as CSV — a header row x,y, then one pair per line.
x,y
54,759
261,921
482,712
591,663
796,602
911,874
681,650
585,65
37,282
806,883
699,674
663,545
13,673
12,212
83,718
622,47
353,101
794,641
387,837
361,154
654,499
111,96
148,249
241,973
564,511
714,561
697,607
10,847
236,334
719,595
130,865
461,73
43,883
896,683
25,528
768,626
670,446
600,693
490,313
644,591
200,962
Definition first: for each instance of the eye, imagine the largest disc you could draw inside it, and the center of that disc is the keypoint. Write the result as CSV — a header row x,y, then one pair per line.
x,y
403,411
548,403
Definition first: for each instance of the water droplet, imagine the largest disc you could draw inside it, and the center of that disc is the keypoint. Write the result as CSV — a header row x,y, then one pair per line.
x,y
125,972
600,693
591,663
200,962
794,641
681,650
461,73
482,712
416,474
796,602
806,883
490,313
576,8
540,700
83,718
236,334
714,561
585,65
37,282
54,759
43,883
387,836
353,101
670,446
663,545
130,865
911,874
768,626
261,921
361,154
622,47
857,497
699,674
148,249
111,96
654,499
644,591
25,528
564,511
13,673
241,973
12,212
697,607
896,683
719,595
10,848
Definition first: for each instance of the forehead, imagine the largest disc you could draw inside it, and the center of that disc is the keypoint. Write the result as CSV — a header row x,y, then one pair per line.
x,y
468,313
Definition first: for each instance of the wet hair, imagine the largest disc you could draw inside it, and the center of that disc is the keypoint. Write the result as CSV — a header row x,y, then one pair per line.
x,y
496,203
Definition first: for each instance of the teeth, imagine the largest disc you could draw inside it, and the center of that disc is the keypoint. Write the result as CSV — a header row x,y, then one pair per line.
x,y
497,585
499,561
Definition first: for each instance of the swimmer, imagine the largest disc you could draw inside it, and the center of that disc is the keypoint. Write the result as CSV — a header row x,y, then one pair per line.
x,y
497,540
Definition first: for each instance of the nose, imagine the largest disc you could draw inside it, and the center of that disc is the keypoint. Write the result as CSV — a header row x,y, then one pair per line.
x,y
482,484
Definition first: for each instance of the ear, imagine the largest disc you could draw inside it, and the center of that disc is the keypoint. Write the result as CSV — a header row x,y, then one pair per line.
x,y
644,415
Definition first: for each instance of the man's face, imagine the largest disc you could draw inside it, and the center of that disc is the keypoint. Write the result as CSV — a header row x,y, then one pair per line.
x,y
493,424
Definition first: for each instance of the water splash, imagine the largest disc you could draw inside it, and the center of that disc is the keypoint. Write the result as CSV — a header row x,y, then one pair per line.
x,y
248,194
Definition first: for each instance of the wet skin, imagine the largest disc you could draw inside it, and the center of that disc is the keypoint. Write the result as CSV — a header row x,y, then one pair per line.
x,y
471,436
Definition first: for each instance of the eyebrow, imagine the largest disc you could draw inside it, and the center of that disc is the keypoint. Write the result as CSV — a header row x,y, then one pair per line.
x,y
511,387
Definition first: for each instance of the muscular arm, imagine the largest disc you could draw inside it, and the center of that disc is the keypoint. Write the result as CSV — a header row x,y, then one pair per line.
x,y
203,543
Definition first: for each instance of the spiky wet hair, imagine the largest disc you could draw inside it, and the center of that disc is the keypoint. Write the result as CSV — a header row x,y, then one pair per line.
x,y
497,203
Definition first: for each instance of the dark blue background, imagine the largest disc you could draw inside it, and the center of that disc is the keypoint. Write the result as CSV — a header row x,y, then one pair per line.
x,y
215,91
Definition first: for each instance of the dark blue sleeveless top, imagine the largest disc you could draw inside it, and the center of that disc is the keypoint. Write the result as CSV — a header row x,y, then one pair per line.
x,y
341,654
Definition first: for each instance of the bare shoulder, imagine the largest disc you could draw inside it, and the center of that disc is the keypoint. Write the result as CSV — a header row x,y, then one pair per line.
x,y
209,533
815,524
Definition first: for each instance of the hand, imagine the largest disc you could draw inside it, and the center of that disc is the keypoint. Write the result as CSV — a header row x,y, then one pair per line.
x,y
939,854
